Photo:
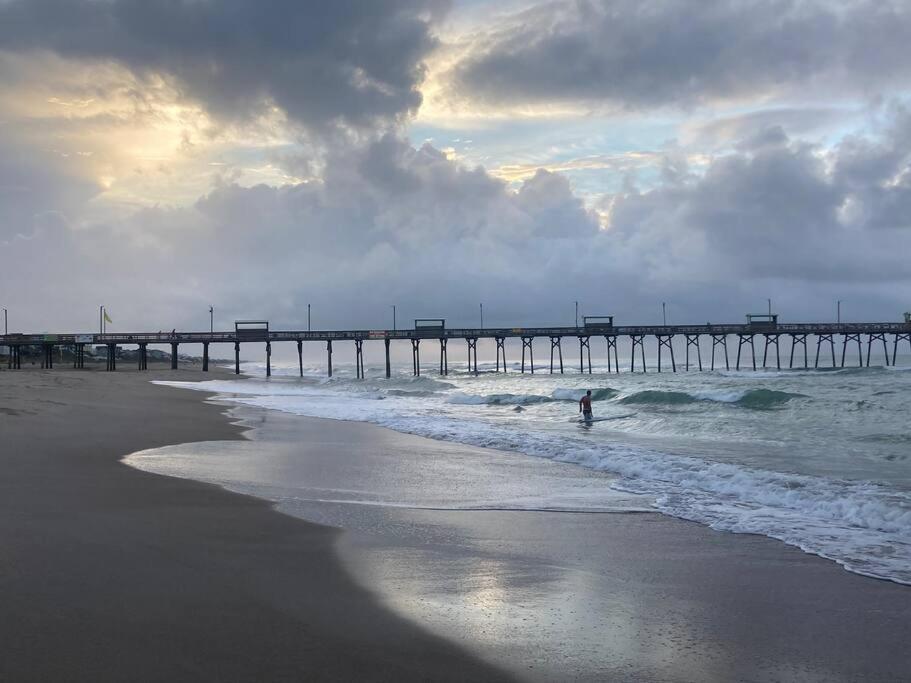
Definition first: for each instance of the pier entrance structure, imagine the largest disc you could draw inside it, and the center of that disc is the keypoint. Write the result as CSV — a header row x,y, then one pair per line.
x,y
434,330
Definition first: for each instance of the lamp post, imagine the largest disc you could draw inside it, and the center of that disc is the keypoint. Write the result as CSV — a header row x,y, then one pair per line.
x,y
308,317
577,313
482,315
664,313
5,326
211,319
770,307
101,319
393,318
838,311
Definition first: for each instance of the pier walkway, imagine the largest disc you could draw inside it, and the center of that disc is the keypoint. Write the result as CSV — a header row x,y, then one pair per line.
x,y
765,327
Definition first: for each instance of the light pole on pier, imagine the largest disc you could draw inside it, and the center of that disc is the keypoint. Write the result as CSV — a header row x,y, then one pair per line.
x,y
577,313
393,318
5,326
770,308
211,319
664,314
101,319
482,315
308,317
838,311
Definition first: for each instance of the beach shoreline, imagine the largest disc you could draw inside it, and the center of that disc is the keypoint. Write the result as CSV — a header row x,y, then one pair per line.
x,y
125,574
554,595
110,573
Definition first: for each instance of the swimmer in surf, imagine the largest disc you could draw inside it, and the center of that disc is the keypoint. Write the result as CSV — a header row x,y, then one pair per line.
x,y
585,406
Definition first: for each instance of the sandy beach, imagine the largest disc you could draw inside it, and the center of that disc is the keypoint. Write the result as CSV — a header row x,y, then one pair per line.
x,y
110,573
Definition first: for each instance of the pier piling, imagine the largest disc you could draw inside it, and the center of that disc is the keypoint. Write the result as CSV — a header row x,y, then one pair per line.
x,y
693,340
388,360
720,340
555,343
611,340
636,340
473,355
359,358
771,339
300,357
416,356
898,338
665,340
526,344
501,350
820,339
329,355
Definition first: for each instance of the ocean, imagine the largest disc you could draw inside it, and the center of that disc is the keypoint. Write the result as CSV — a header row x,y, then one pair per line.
x,y
820,460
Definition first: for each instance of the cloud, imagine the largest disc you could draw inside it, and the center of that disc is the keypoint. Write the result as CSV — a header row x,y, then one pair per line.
x,y
354,62
642,55
389,223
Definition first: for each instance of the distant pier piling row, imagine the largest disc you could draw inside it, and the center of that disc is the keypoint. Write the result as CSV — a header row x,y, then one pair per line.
x,y
759,329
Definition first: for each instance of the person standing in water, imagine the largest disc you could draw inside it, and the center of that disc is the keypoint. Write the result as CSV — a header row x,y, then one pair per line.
x,y
585,405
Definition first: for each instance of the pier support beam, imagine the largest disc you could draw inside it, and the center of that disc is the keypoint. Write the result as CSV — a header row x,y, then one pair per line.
x,y
795,340
636,340
388,360
901,336
720,340
416,356
359,358
205,356
268,359
300,357
665,340
329,355
693,340
47,360
527,344
112,357
501,350
144,357
173,355
585,346
555,344
746,339
771,339
848,337
819,341
444,357
877,336
473,355
236,358
611,340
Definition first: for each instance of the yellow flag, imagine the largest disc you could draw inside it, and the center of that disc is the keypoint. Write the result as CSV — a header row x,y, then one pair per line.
x,y
106,318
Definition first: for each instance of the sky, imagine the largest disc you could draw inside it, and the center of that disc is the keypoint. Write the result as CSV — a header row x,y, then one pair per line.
x,y
160,158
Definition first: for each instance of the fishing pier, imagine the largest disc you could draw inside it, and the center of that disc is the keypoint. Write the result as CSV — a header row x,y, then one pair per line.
x,y
761,329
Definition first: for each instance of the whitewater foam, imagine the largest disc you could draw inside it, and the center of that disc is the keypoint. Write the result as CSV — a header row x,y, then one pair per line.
x,y
862,525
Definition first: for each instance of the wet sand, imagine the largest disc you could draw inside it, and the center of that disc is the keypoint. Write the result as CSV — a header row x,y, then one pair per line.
x,y
588,596
112,574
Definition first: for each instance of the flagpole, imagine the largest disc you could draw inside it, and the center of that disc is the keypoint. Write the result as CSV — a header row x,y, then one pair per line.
x,y
101,320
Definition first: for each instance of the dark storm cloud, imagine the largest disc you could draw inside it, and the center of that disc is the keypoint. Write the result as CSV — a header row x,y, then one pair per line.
x,y
657,53
352,61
